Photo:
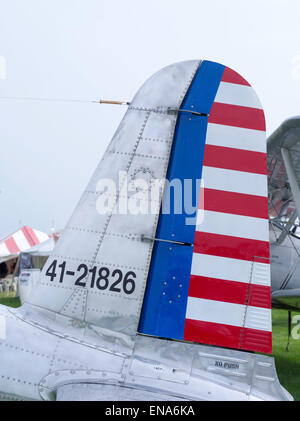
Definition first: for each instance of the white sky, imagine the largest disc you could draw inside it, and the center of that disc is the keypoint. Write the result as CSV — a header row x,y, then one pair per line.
x,y
86,49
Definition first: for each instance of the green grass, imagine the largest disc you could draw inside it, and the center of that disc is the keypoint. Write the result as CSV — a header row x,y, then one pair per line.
x,y
9,299
287,362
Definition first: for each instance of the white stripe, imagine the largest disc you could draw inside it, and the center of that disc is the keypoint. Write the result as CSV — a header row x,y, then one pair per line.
x,y
229,314
261,274
4,250
258,318
234,94
235,181
231,269
41,236
21,241
234,225
215,311
236,137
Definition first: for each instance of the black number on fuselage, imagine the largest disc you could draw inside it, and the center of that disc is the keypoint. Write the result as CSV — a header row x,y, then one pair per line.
x,y
51,271
85,272
102,277
128,281
120,276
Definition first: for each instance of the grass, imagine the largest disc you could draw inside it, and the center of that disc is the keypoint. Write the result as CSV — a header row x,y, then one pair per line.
x,y
287,362
9,299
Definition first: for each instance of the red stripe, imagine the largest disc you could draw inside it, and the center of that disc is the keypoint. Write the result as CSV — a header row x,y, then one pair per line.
x,y
34,238
257,340
260,296
231,76
235,115
232,247
228,336
27,236
235,159
235,203
12,245
229,291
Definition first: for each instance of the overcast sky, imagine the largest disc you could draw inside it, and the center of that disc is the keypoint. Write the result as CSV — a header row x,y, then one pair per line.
x,y
87,49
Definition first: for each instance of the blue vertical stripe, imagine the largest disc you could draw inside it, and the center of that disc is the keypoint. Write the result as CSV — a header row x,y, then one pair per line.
x,y
165,300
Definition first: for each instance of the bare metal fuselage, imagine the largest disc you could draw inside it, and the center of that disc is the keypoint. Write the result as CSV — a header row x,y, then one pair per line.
x,y
46,356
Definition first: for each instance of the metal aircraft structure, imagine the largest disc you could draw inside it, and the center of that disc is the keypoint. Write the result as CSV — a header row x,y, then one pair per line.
x,y
159,305
284,206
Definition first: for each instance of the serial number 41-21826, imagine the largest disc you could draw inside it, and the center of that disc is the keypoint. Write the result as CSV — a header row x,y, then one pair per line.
x,y
101,278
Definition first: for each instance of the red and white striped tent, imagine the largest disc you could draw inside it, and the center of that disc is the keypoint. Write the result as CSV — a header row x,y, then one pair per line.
x,y
21,240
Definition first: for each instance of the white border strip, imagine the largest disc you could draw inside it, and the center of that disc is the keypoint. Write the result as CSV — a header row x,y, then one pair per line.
x,y
234,225
236,137
229,314
235,270
235,181
234,94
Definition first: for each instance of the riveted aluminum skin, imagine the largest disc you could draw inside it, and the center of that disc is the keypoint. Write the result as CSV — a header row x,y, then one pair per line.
x,y
68,342
44,359
140,148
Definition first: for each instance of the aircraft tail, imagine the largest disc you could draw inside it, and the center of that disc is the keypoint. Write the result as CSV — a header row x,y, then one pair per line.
x,y
206,271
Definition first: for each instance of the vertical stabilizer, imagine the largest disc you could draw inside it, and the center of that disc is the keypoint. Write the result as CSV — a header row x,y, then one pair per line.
x,y
98,269
217,291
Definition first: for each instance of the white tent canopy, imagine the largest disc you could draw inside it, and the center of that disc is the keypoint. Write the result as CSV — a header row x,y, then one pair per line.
x,y
23,240
43,248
